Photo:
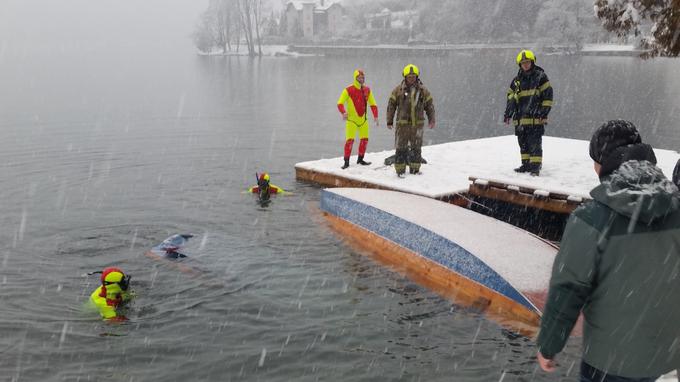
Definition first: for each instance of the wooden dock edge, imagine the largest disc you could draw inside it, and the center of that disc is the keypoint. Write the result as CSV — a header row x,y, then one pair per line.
x,y
330,180
523,196
439,279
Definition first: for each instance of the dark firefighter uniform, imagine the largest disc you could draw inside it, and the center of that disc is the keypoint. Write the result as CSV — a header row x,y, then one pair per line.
x,y
530,98
410,104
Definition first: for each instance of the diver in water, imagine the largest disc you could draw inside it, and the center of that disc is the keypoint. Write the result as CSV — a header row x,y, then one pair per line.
x,y
264,188
112,294
170,247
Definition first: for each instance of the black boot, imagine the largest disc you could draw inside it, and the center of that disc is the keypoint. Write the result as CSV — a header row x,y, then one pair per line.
x,y
346,164
524,167
362,162
535,169
400,168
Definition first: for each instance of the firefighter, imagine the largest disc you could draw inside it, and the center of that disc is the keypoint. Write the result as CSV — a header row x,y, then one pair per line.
x,y
410,101
358,97
530,98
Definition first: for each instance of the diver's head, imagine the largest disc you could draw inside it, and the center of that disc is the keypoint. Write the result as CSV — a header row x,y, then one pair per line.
x,y
114,282
264,177
263,182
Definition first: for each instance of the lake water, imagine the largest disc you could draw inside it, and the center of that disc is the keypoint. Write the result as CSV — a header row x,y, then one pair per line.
x,y
104,155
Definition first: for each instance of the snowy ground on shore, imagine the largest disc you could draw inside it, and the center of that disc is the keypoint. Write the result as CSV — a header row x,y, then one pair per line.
x,y
267,50
608,47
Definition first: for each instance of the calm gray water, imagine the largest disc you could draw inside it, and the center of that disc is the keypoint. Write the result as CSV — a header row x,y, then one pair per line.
x,y
103,156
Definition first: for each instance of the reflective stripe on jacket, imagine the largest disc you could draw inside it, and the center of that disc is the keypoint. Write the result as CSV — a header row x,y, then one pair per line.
x,y
530,98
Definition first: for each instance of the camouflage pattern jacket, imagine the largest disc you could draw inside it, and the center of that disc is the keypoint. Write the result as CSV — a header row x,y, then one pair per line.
x,y
410,105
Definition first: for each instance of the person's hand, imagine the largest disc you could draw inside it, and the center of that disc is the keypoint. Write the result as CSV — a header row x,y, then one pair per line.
x,y
377,121
506,120
344,116
548,365
544,121
431,124
389,126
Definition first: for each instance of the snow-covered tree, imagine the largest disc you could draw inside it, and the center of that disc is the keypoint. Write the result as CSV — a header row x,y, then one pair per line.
x,y
657,21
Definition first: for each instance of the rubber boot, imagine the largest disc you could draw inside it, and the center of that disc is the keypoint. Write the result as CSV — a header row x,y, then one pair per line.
x,y
344,166
524,167
535,169
362,162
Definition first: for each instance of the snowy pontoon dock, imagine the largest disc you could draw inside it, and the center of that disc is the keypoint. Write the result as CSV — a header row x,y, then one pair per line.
x,y
482,168
439,246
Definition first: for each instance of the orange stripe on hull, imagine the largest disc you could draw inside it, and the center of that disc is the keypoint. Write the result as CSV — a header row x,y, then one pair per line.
x,y
443,281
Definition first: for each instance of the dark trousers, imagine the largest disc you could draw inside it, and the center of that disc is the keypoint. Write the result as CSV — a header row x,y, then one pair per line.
x,y
591,374
408,141
530,139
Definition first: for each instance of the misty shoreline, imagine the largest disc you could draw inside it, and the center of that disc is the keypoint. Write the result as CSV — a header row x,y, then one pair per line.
x,y
299,50
447,49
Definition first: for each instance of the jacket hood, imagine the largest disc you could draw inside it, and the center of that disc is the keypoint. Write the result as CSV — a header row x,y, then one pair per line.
x,y
638,189
356,74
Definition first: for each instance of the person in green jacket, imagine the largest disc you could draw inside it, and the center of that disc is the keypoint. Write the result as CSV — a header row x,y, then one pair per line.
x,y
619,265
409,102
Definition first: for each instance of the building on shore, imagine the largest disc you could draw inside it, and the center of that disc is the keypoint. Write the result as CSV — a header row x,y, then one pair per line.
x,y
387,19
310,19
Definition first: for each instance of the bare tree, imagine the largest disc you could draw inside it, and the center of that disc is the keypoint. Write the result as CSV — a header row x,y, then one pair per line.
x,y
216,27
203,36
225,22
257,13
245,11
657,21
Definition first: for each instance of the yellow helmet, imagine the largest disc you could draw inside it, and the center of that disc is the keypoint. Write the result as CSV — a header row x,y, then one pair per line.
x,y
526,55
112,275
411,69
113,282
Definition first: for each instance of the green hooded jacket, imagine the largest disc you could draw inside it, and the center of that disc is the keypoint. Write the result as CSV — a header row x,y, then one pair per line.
x,y
619,264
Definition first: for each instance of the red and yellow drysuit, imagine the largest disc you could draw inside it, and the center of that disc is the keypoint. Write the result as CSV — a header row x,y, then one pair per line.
x,y
263,182
357,97
110,296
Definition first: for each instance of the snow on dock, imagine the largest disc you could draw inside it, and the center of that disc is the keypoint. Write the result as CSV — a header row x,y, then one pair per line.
x,y
475,259
567,172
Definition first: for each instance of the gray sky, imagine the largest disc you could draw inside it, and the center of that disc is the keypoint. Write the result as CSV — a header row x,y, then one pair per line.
x,y
117,22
